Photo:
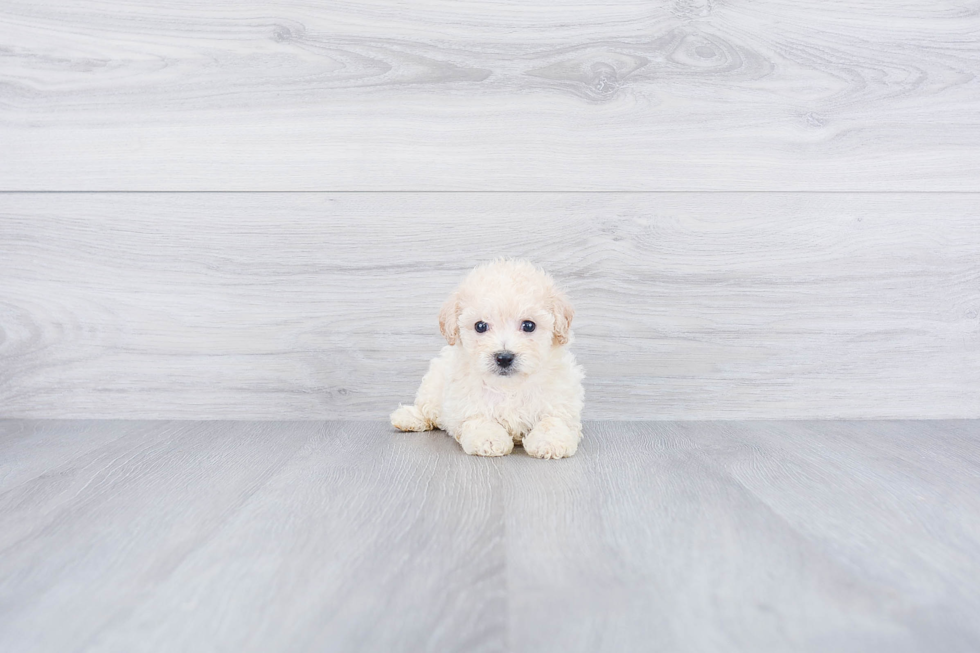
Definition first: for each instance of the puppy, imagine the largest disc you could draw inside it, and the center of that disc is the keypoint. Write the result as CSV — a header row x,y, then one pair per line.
x,y
506,376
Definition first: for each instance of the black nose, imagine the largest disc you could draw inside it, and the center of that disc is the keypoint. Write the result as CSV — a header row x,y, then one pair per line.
x,y
504,358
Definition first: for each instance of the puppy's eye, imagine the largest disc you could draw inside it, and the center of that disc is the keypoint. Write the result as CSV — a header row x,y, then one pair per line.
x,y
481,326
527,326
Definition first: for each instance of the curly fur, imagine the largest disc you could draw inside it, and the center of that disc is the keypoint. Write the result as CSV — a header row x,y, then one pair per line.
x,y
537,401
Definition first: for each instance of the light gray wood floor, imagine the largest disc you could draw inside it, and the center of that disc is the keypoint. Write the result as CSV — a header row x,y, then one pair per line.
x,y
333,536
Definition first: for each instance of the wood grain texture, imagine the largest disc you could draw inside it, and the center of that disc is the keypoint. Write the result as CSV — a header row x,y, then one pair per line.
x,y
300,306
768,536
495,95
250,536
775,536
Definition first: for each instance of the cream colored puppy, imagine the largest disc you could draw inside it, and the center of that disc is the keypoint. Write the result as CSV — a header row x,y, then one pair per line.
x,y
506,375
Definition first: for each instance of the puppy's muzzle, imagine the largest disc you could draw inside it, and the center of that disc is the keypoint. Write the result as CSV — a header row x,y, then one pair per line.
x,y
504,360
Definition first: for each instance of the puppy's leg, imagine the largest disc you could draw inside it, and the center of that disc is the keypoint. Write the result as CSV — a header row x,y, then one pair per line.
x,y
552,438
482,437
424,414
410,418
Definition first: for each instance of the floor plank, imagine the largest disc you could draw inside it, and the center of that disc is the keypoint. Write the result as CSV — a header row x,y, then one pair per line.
x,y
748,536
91,536
323,306
496,95
260,536
668,536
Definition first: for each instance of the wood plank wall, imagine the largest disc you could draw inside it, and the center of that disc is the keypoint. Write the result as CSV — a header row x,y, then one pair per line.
x,y
761,209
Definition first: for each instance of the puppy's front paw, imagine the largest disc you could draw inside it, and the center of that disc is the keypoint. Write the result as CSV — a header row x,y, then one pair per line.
x,y
551,438
485,439
409,418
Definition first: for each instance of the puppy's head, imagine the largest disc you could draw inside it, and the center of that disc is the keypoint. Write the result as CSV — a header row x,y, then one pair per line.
x,y
507,316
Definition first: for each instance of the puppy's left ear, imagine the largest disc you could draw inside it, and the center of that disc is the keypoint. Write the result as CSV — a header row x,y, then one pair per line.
x,y
563,313
449,319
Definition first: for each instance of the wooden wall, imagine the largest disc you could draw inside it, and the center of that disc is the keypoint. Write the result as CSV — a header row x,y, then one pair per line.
x,y
243,209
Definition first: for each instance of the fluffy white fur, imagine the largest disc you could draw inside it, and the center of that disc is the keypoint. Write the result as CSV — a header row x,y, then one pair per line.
x,y
537,400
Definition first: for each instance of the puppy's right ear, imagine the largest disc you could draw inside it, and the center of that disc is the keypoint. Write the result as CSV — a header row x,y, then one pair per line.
x,y
449,319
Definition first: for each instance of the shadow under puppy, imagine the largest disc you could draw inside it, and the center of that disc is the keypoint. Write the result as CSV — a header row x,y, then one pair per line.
x,y
506,375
